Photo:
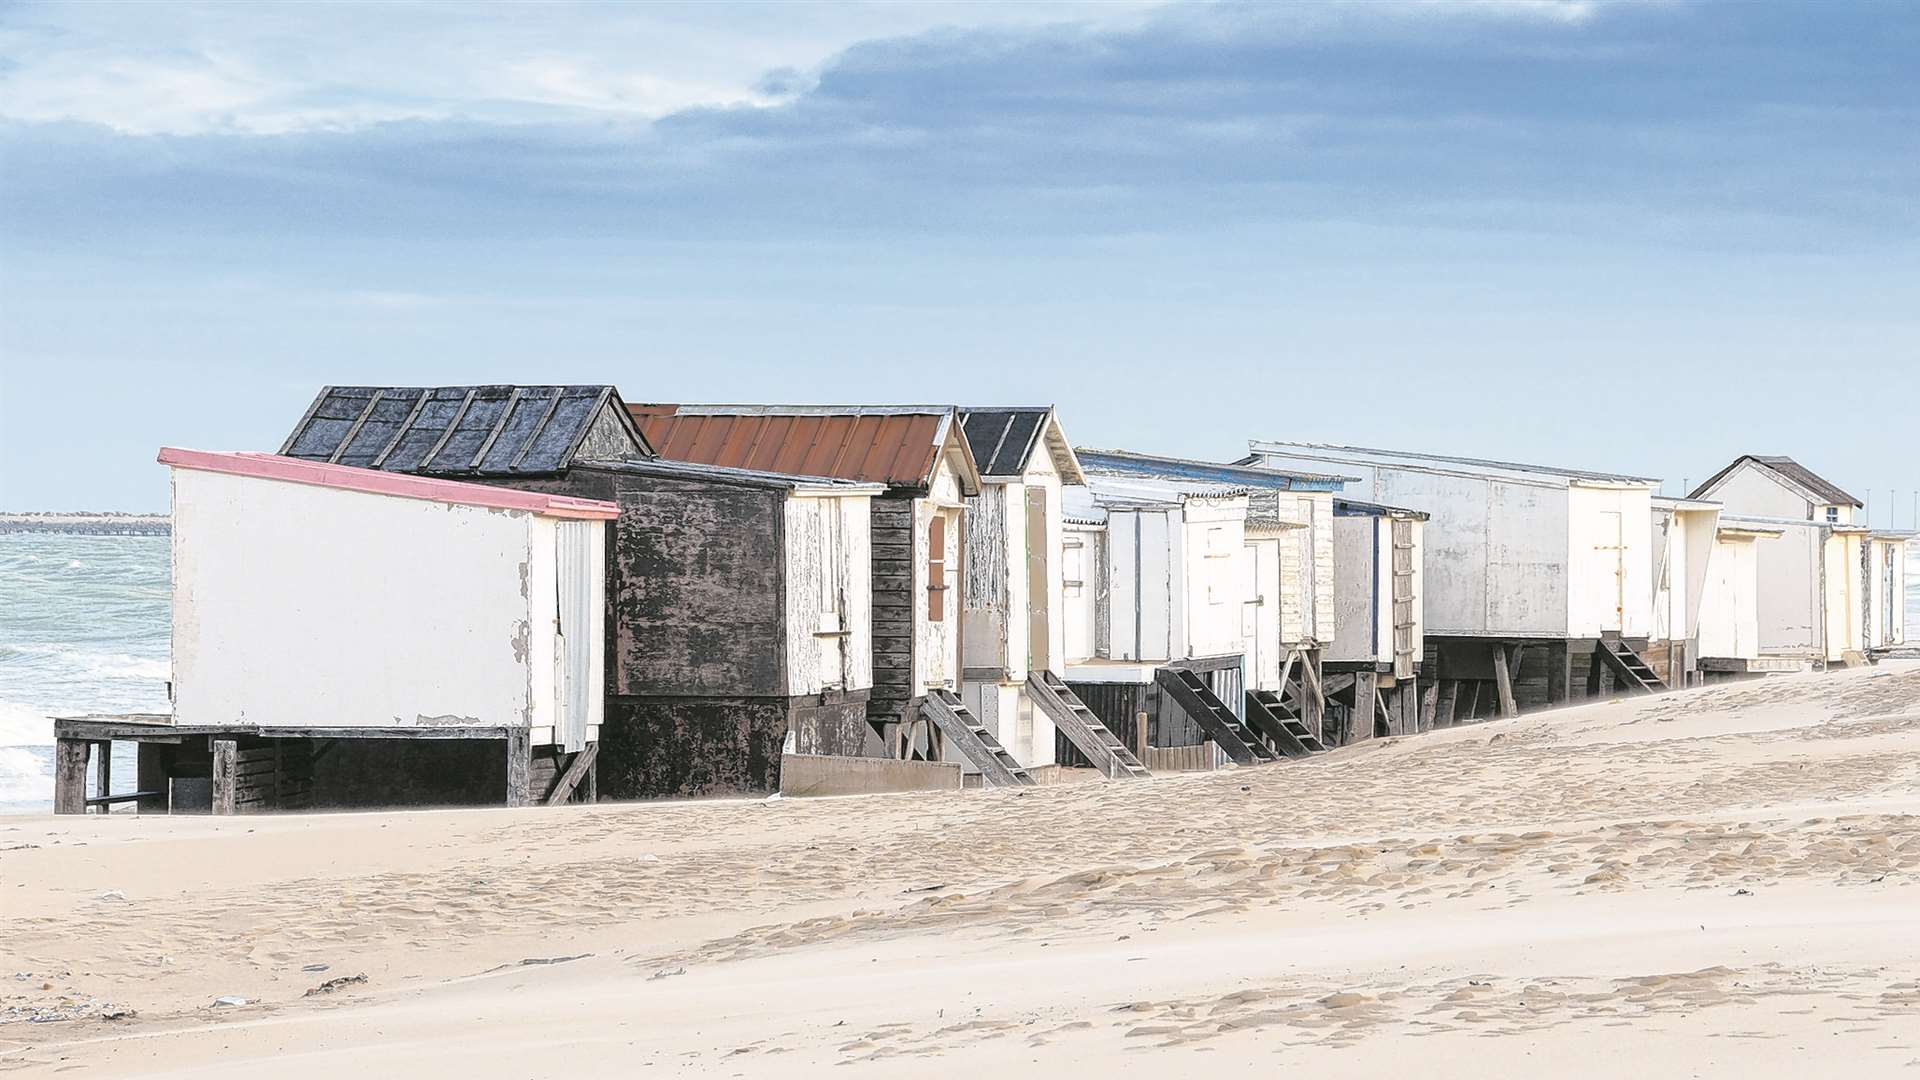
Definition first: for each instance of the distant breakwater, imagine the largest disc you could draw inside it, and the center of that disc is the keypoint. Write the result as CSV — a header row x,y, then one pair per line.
x,y
88,524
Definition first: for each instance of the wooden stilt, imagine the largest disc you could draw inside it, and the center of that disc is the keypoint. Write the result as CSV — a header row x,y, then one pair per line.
x,y
70,776
1503,681
226,759
1473,699
103,773
1429,698
1514,657
519,762
577,770
1559,673
150,776
1449,699
1313,702
1360,719
1593,672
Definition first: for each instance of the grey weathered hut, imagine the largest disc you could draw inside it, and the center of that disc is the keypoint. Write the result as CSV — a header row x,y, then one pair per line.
x,y
738,600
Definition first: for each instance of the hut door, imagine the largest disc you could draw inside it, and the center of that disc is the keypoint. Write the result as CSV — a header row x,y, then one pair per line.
x,y
937,654
1612,552
1039,597
573,644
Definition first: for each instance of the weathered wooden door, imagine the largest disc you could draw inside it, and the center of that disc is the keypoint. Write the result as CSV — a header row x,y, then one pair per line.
x,y
831,634
1612,552
1402,599
936,653
1250,617
1039,596
573,637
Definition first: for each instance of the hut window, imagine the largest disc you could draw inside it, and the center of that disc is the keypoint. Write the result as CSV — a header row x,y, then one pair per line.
x,y
1833,513
937,568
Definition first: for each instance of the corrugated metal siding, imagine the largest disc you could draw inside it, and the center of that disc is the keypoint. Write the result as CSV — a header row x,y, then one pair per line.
x,y
574,547
892,447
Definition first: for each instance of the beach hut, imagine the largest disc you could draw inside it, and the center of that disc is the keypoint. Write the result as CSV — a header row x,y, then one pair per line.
x,y
1332,624
1157,597
1533,575
738,601
1013,636
348,637
1729,626
1684,544
920,461
1827,582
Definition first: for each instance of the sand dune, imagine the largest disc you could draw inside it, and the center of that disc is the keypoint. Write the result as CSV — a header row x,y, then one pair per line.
x,y
1705,882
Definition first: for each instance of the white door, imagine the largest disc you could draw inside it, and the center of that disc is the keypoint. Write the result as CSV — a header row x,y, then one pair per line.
x,y
573,649
1611,554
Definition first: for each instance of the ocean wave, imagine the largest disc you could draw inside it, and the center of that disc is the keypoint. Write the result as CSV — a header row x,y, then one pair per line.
x,y
26,777
97,665
25,725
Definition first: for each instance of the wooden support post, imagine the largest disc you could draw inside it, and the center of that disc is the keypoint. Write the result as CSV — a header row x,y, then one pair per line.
x,y
1140,735
1449,700
1503,681
1473,698
1313,700
1593,672
1514,659
1559,673
577,769
103,772
150,775
519,761
1429,698
70,776
1360,717
226,760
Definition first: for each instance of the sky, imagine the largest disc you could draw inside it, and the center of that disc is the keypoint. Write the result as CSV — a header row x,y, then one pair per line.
x,y
1634,237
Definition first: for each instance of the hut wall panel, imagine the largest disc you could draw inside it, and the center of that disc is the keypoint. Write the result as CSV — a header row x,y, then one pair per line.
x,y
1356,599
894,578
662,748
988,579
829,583
364,773
423,606
696,588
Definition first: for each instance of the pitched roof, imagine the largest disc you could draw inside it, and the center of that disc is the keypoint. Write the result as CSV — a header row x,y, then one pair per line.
x,y
378,482
1790,470
465,430
894,445
1004,440
1130,463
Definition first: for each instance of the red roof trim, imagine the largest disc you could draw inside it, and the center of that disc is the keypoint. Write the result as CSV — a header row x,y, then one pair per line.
x,y
377,482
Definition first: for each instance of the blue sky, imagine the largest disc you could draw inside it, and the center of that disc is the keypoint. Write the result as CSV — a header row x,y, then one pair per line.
x,y
1640,237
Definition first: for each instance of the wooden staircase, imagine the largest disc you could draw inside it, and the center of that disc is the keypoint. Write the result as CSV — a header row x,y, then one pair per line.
x,y
973,740
1269,715
1082,728
1192,694
1629,670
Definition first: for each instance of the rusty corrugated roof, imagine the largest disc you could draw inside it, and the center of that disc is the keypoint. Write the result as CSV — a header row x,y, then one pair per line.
x,y
894,445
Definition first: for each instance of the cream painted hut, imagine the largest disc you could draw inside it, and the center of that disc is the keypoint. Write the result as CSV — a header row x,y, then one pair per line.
x,y
1534,575
1827,582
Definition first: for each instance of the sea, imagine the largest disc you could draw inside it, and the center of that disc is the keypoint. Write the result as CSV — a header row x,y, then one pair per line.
x,y
84,627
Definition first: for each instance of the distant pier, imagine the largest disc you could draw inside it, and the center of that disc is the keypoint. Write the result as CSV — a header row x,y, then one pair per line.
x,y
87,524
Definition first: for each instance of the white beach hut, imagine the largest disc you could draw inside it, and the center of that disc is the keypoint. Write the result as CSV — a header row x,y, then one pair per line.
x,y
1533,574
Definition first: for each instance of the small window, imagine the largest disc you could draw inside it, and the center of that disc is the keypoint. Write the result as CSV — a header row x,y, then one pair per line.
x,y
937,568
830,541
1833,513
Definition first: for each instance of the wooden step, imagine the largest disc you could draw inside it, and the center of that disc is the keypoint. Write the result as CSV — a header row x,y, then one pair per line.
x,y
1192,694
1289,736
973,741
1082,728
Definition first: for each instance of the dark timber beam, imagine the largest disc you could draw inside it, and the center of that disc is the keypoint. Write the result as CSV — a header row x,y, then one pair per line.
x,y
519,744
1503,681
226,760
70,776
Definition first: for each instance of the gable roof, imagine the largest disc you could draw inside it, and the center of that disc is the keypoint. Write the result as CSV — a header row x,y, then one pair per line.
x,y
896,445
1243,474
465,430
380,482
1003,441
1795,474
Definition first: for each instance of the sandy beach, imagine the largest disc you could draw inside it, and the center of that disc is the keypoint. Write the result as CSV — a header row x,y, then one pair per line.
x,y
1710,882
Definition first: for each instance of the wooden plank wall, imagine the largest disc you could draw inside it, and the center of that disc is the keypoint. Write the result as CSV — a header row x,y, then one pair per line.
x,y
893,608
1201,758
